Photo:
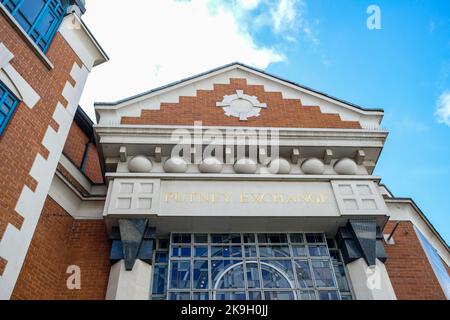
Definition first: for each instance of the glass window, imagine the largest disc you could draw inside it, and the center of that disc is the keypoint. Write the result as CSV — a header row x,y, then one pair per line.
x,y
274,251
161,257
159,280
253,279
303,272
200,238
226,251
202,296
318,251
220,266
249,238
307,295
201,251
248,266
341,279
297,238
40,19
436,263
298,250
232,278
181,251
163,244
181,238
250,251
8,104
323,274
180,296
314,238
201,274
272,238
279,295
335,256
234,295
254,295
328,295
226,238
180,275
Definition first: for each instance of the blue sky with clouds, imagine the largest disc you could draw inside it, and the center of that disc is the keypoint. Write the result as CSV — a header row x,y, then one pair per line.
x,y
403,68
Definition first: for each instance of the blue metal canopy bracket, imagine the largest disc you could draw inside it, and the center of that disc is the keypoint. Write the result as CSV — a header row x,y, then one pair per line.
x,y
361,238
132,240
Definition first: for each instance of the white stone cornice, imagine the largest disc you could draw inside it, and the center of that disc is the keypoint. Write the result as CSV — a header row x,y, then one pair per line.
x,y
287,136
240,177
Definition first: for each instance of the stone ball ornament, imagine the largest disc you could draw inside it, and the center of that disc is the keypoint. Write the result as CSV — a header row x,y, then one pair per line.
x,y
313,166
140,164
175,165
241,105
279,166
245,166
210,165
345,166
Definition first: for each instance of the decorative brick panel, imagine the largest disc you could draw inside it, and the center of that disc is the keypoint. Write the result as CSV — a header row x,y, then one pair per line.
x,y
408,267
279,112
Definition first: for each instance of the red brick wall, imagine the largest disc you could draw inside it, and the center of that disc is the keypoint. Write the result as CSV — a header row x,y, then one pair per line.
x,y
61,241
46,256
93,169
75,144
89,248
409,270
280,112
21,141
74,150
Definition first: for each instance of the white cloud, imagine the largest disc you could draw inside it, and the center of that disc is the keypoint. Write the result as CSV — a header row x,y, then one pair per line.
x,y
285,14
443,108
152,43
286,19
248,4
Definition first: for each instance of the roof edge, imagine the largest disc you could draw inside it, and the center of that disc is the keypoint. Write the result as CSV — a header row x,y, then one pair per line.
x,y
240,64
422,215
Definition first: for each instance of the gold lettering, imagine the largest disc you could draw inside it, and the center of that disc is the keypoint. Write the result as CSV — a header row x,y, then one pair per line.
x,y
308,198
245,197
321,198
169,196
291,198
258,197
227,197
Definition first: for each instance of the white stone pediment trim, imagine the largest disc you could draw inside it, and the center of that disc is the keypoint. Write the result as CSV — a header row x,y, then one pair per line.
x,y
111,112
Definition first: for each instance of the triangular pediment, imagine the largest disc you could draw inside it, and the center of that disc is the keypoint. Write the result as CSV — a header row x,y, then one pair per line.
x,y
237,95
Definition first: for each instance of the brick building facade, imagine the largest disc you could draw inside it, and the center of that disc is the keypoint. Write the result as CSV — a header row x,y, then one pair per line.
x,y
232,184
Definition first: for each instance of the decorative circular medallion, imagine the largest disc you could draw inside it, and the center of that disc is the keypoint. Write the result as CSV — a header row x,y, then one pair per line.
x,y
241,106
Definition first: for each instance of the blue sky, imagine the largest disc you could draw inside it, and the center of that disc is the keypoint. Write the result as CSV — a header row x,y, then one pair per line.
x,y
403,68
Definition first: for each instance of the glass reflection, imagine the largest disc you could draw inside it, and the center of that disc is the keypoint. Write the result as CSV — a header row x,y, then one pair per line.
x,y
323,274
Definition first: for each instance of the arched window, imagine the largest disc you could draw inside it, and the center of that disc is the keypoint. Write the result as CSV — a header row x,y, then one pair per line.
x,y
40,19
